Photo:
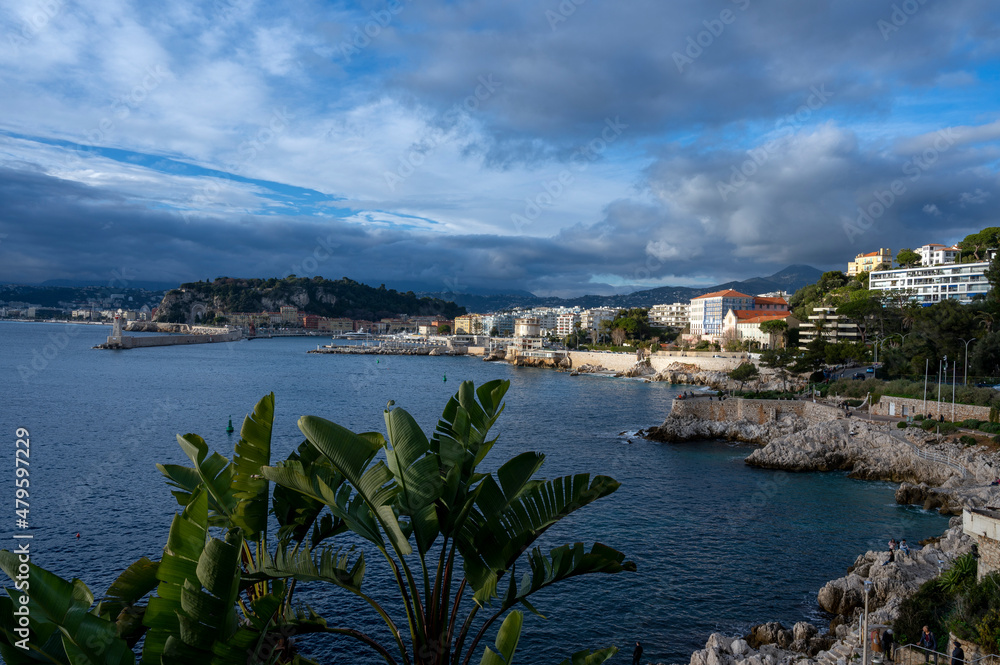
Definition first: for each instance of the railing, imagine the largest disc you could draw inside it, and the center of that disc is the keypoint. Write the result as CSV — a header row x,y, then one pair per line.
x,y
931,456
914,654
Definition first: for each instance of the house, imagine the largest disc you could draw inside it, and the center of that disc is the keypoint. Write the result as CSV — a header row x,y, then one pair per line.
x,y
934,254
674,315
930,284
744,326
870,261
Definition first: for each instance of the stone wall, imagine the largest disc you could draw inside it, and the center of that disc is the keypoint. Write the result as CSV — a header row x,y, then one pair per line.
x,y
983,524
130,342
618,362
904,406
758,411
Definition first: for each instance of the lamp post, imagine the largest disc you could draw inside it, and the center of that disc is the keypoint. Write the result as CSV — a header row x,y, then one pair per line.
x,y
965,381
864,629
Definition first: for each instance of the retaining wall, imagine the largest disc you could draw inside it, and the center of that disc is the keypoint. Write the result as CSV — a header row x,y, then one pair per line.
x,y
619,362
905,406
753,410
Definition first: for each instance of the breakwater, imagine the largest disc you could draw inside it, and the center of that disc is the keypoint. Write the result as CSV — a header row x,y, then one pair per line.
x,y
132,342
387,350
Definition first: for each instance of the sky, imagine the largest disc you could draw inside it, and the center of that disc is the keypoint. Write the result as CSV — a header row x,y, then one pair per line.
x,y
561,147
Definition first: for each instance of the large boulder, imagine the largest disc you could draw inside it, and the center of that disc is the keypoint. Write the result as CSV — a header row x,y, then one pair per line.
x,y
843,595
769,633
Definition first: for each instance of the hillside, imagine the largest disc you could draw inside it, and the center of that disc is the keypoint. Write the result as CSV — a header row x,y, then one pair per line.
x,y
323,297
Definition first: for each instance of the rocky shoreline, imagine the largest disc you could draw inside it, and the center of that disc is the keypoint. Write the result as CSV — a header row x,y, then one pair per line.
x,y
933,471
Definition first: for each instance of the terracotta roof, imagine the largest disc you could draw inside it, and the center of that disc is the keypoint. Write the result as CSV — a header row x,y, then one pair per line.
x,y
728,293
771,301
756,316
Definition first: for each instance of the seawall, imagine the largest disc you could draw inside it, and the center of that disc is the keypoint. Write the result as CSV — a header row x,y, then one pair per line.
x,y
130,342
620,362
759,411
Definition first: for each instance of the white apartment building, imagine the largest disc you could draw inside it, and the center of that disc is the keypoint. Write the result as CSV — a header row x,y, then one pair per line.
x,y
591,319
669,316
833,327
930,284
935,254
566,323
502,321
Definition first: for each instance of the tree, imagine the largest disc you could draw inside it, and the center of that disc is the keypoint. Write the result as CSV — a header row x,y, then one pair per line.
x,y
774,328
444,329
617,336
985,357
444,526
907,257
863,308
743,373
778,359
975,243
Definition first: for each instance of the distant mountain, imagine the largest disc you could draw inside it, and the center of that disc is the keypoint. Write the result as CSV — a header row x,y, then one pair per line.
x,y
790,279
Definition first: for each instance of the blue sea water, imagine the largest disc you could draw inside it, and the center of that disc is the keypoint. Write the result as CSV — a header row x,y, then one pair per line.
x,y
719,546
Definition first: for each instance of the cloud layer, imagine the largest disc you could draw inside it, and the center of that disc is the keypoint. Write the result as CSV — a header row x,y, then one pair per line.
x,y
560,147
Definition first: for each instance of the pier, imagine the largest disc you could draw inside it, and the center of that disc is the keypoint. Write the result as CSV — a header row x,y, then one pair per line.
x,y
118,341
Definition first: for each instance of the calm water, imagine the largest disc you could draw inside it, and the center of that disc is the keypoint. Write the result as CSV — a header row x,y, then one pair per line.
x,y
719,546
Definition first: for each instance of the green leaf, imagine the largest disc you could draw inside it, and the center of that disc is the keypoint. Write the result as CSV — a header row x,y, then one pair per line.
x,y
86,637
351,456
305,565
417,473
213,472
252,452
506,642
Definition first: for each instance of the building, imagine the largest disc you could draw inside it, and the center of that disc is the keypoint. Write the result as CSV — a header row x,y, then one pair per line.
x,y
870,261
566,323
590,319
502,321
528,326
468,324
930,284
289,315
335,325
935,255
669,316
744,326
833,327
707,313
983,524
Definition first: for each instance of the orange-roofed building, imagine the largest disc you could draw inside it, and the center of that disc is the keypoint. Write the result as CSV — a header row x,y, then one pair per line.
x,y
871,261
744,326
707,313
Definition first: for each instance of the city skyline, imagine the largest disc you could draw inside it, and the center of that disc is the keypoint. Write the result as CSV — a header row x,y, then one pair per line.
x,y
562,148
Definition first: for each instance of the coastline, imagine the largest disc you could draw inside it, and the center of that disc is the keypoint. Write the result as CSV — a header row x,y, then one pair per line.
x,y
932,471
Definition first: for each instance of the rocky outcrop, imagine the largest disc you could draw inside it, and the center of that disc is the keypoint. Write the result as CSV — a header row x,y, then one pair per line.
x,y
691,374
495,355
767,644
641,368
687,428
891,582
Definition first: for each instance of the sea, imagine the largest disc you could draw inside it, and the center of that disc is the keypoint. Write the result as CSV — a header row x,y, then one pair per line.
x,y
718,545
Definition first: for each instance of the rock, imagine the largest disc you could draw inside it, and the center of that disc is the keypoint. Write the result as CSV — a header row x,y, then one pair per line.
x,y
739,647
842,596
719,642
804,630
765,633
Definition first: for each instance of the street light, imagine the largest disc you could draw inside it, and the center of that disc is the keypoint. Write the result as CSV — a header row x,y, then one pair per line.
x,y
864,630
965,381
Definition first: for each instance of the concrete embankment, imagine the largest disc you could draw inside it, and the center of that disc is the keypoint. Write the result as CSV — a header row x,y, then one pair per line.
x,y
132,342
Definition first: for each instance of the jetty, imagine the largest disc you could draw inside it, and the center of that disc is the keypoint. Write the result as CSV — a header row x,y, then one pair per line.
x,y
396,347
199,335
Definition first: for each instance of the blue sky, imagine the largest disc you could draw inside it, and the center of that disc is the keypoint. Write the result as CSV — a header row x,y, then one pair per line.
x,y
559,147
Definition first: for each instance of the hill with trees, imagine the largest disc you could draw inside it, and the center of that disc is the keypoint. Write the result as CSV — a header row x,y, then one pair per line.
x,y
323,297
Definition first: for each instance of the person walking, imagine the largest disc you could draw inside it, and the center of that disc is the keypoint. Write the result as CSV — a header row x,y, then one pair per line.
x,y
637,653
957,655
928,643
887,644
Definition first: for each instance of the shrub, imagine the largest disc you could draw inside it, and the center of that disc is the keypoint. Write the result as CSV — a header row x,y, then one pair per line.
x,y
967,440
971,423
928,424
989,631
947,428
901,424
990,428
919,417
996,438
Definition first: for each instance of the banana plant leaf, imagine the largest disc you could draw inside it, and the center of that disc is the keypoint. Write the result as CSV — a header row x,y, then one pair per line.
x,y
60,609
506,643
249,487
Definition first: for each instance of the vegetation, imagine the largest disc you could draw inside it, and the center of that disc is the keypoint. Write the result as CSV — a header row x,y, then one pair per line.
x,y
954,602
744,372
323,297
914,390
223,592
